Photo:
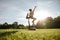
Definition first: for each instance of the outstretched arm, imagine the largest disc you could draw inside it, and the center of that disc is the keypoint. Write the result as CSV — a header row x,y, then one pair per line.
x,y
34,8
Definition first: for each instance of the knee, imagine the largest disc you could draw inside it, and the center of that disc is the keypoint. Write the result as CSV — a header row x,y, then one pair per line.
x,y
34,18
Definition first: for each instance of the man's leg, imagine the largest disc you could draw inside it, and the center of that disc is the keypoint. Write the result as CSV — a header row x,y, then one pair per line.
x,y
33,20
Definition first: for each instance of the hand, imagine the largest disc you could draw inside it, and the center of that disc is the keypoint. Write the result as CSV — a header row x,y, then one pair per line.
x,y
35,6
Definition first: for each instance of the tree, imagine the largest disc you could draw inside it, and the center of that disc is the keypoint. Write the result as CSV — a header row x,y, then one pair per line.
x,y
49,22
39,24
5,25
56,23
15,25
1,26
21,26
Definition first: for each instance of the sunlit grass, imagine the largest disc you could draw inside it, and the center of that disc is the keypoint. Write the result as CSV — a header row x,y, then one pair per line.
x,y
25,34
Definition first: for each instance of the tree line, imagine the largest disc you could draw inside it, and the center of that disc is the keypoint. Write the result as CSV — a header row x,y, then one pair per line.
x,y
49,22
14,25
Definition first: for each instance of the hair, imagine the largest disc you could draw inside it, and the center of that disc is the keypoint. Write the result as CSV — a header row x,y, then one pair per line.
x,y
30,9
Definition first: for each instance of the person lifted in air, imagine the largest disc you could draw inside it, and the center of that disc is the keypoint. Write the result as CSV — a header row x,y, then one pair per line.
x,y
31,14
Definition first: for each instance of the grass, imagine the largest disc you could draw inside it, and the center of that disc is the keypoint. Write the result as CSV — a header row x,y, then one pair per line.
x,y
25,34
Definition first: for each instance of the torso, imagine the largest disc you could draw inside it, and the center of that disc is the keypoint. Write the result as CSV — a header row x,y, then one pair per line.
x,y
31,14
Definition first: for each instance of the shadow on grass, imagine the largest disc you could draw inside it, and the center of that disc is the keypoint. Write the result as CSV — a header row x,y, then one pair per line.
x,y
7,33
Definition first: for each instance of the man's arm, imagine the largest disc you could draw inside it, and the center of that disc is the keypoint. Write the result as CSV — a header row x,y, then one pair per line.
x,y
27,16
34,8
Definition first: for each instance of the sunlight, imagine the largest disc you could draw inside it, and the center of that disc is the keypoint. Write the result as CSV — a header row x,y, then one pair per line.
x,y
42,14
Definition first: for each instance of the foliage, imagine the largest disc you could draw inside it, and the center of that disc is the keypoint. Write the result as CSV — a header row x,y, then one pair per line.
x,y
49,22
56,22
11,26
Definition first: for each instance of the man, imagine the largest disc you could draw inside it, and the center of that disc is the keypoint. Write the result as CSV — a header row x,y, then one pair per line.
x,y
31,14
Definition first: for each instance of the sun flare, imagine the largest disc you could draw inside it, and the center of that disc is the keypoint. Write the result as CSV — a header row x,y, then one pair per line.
x,y
40,15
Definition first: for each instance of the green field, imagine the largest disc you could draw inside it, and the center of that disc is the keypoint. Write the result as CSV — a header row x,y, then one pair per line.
x,y
25,34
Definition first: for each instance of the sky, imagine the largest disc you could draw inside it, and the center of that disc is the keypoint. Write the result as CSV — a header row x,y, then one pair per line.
x,y
16,10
